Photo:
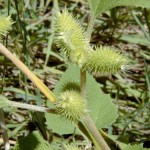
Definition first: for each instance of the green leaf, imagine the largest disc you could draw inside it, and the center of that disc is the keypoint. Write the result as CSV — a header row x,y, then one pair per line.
x,y
99,6
20,93
135,147
33,141
4,102
100,105
136,39
101,108
59,125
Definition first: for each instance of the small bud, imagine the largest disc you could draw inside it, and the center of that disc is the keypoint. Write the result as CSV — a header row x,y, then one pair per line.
x,y
105,61
71,105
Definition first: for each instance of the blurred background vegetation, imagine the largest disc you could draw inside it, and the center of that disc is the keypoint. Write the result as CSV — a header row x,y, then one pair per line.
x,y
31,39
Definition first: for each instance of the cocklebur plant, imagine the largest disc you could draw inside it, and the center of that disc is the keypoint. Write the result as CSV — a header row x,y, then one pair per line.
x,y
73,41
71,103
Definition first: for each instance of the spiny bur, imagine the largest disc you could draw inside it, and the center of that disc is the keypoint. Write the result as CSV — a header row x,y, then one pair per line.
x,y
71,105
105,60
71,38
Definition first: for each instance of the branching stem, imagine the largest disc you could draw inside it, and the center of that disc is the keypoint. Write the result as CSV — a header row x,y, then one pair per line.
x,y
88,122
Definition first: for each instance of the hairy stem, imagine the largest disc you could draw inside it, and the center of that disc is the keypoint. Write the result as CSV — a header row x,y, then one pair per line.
x,y
38,83
88,122
4,130
83,71
83,83
90,26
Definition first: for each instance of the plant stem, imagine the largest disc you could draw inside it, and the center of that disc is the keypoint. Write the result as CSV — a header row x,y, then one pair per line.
x,y
83,71
83,83
90,26
88,122
38,83
4,131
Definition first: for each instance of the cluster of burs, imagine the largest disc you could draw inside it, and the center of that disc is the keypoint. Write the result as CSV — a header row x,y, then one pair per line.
x,y
72,40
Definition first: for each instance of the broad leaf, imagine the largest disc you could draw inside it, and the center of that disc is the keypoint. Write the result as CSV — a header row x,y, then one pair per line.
x,y
100,106
33,141
59,125
99,6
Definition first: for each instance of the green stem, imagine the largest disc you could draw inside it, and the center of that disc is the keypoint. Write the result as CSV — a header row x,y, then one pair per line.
x,y
83,71
90,26
83,83
88,122
100,142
